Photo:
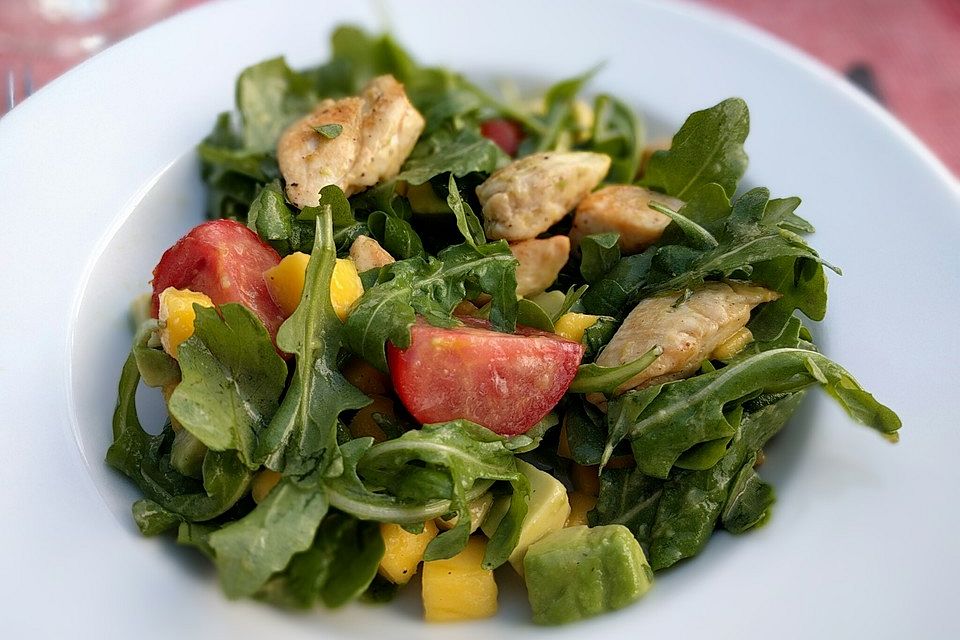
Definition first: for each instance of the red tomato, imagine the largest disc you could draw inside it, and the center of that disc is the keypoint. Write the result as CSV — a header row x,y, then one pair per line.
x,y
507,134
225,260
506,382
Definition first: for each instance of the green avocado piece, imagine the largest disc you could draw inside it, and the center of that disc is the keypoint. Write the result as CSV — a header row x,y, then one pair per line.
x,y
579,572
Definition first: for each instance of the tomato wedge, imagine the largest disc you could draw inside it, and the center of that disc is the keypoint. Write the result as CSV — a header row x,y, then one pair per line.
x,y
507,134
225,260
505,382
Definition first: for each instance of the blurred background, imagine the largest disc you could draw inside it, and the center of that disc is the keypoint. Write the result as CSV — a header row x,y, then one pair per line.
x,y
906,53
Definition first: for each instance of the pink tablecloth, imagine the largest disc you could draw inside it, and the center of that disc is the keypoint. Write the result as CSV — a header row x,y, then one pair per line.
x,y
909,48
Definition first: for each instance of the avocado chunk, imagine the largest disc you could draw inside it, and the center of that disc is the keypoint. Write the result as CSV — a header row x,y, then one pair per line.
x,y
579,572
547,511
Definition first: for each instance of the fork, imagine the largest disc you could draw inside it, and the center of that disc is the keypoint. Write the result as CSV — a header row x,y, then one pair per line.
x,y
15,88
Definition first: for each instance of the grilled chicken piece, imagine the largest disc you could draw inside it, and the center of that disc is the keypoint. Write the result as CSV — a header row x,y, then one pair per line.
x,y
540,262
687,332
626,210
380,128
367,254
524,198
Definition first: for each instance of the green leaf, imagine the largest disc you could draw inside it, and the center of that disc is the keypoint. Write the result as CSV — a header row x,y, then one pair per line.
x,y
455,152
586,431
530,314
707,148
620,287
802,285
301,440
329,131
630,498
431,288
559,118
698,236
599,253
467,221
232,380
781,212
250,550
145,459
156,368
662,422
618,133
357,550
692,501
152,519
270,96
468,453
749,502
592,378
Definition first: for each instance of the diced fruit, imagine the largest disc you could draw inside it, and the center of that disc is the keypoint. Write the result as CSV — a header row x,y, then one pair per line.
x,y
404,550
580,504
263,483
506,134
479,508
176,316
225,260
424,200
505,382
572,325
459,588
363,423
563,446
366,377
286,282
581,572
547,511
585,478
345,287
732,345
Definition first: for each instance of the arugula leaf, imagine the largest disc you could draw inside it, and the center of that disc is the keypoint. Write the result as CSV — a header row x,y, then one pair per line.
x,y
455,152
559,118
599,253
596,337
618,133
357,548
329,131
707,148
350,494
232,380
664,421
432,288
301,440
585,428
467,221
630,498
247,552
156,368
592,378
692,501
468,453
750,499
781,212
152,519
802,285
531,314
621,286
145,459
700,237
270,95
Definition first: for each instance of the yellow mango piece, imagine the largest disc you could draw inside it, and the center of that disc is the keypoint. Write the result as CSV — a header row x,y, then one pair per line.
x,y
572,325
263,483
459,588
285,282
363,423
732,345
580,504
366,377
479,508
585,478
404,550
177,315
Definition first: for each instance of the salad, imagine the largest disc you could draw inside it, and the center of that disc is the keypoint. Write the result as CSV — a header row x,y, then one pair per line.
x,y
430,332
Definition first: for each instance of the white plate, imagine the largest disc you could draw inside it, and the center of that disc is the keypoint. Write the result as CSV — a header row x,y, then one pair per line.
x,y
97,178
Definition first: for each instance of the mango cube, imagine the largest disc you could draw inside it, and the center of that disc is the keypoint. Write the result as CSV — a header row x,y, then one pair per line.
x,y
580,504
363,423
263,483
286,281
177,315
459,588
404,550
572,325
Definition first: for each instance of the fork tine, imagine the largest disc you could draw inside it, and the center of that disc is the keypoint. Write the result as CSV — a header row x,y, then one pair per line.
x,y
11,98
27,81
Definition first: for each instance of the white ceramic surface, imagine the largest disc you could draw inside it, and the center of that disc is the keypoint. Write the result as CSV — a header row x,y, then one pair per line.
x,y
97,178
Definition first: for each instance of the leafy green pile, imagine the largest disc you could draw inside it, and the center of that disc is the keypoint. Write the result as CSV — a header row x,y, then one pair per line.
x,y
237,407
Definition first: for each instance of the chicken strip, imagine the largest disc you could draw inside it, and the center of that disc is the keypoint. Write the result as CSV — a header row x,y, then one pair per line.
x,y
524,198
380,128
540,262
626,210
367,254
687,332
